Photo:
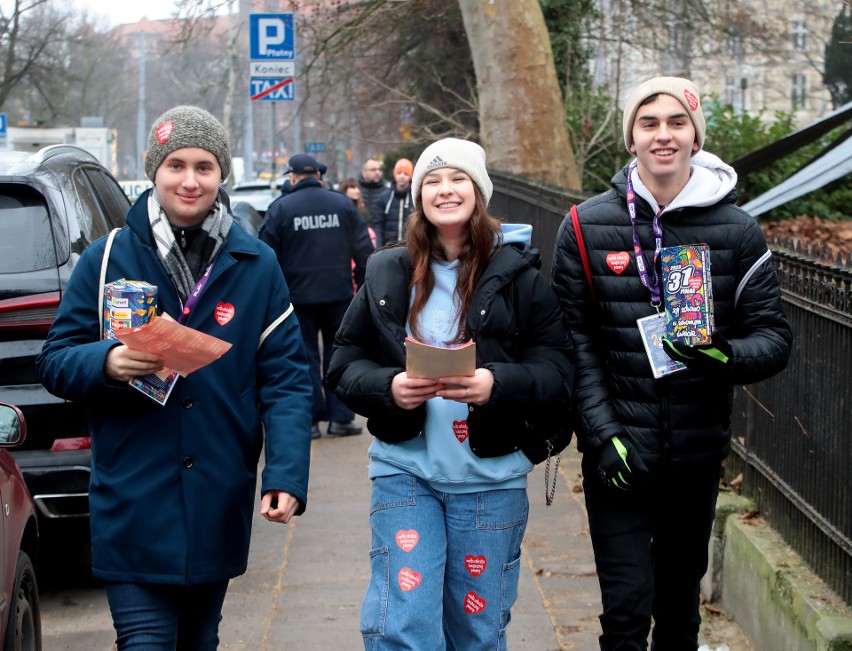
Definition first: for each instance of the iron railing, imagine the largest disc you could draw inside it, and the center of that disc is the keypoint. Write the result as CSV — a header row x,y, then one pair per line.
x,y
793,433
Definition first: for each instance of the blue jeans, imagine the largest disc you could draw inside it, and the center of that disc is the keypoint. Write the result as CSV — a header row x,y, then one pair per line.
x,y
445,567
158,617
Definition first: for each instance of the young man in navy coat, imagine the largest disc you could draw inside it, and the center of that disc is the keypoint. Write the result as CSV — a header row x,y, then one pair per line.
x,y
173,485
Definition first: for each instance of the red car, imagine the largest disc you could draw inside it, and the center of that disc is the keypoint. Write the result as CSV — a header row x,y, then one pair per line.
x,y
20,626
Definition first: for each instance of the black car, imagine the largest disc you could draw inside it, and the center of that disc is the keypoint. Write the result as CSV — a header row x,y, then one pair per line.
x,y
53,204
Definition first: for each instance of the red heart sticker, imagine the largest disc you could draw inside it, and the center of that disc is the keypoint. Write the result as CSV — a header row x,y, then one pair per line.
x,y
473,603
695,283
475,564
164,131
691,99
224,313
617,261
407,540
460,430
408,579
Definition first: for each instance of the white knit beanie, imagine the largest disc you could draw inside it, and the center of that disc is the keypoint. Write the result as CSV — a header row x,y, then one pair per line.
x,y
187,126
683,90
451,152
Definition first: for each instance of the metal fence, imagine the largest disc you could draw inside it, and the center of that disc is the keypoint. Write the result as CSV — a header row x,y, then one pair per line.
x,y
793,433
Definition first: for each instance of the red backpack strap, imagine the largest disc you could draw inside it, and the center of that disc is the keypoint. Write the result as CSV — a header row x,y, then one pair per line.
x,y
581,245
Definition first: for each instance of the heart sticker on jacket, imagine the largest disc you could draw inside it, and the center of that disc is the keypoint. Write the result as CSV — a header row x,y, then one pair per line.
x,y
224,313
475,564
473,603
618,261
408,579
460,430
407,540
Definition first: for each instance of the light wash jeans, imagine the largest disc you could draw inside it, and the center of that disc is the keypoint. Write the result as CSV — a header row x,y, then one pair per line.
x,y
445,567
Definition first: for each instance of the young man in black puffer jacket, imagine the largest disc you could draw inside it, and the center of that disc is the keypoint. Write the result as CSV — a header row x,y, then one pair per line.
x,y
653,447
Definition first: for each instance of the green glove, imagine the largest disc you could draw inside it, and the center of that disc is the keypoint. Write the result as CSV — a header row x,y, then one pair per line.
x,y
619,464
714,356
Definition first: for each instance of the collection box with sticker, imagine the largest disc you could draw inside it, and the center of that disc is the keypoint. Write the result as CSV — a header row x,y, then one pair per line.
x,y
687,293
128,304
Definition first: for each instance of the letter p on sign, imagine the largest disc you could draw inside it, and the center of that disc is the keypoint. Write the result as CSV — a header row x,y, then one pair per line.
x,y
272,32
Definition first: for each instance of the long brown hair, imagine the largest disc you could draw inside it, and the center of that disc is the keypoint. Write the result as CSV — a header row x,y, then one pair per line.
x,y
475,254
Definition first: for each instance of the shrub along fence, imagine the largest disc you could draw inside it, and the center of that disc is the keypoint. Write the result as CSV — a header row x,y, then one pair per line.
x,y
792,435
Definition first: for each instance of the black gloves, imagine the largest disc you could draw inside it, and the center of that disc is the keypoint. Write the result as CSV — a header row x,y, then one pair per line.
x,y
619,464
715,356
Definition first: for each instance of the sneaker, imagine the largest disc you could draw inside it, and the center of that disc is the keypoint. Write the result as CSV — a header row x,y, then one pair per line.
x,y
343,429
315,431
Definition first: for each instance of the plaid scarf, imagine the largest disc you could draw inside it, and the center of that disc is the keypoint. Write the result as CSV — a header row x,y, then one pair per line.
x,y
185,270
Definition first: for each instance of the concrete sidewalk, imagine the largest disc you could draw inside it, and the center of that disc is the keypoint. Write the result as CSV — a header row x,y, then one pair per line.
x,y
305,582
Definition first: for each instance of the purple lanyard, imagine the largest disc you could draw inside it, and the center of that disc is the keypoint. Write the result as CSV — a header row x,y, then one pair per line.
x,y
192,299
653,285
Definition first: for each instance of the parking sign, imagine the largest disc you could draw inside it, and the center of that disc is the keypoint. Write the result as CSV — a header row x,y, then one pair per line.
x,y
271,37
2,127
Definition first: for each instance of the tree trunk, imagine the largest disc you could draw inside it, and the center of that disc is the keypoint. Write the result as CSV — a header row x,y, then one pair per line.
x,y
522,121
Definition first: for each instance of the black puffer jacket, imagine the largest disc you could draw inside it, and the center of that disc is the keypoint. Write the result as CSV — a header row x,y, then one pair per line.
x,y
683,417
520,336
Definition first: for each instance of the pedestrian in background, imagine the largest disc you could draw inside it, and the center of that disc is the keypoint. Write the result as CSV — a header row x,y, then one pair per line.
x,y
450,457
396,205
352,189
317,233
372,186
652,448
172,486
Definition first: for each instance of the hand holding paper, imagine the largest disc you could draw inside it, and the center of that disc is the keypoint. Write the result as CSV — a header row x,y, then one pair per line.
x,y
182,349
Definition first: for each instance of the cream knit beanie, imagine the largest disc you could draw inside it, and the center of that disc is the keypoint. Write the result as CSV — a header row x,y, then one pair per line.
x,y
451,152
683,90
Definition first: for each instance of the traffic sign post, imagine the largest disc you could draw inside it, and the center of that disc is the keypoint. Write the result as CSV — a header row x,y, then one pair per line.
x,y
314,147
272,51
3,130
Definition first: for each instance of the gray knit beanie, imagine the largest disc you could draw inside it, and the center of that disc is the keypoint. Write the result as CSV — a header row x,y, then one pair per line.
x,y
683,90
187,126
451,152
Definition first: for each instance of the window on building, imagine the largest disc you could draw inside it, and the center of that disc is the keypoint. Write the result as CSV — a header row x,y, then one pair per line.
x,y
799,33
799,93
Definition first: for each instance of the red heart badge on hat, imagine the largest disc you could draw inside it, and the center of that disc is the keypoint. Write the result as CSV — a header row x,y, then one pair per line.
x,y
473,603
691,99
408,579
164,130
617,261
224,313
460,430
407,540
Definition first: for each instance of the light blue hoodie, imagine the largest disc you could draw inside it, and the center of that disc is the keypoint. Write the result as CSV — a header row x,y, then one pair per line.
x,y
442,455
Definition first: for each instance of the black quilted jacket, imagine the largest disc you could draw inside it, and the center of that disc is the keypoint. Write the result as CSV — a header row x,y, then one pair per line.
x,y
520,336
684,417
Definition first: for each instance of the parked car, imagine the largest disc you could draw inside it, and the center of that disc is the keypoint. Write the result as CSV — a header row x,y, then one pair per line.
x,y
247,217
20,615
258,193
53,204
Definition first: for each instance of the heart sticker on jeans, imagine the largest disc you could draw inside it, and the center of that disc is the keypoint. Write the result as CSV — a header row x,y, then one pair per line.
x,y
407,540
460,430
473,603
475,564
408,579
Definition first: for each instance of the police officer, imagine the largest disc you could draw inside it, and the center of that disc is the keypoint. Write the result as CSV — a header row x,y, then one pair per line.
x,y
317,234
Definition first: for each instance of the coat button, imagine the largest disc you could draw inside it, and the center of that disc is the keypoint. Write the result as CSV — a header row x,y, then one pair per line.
x,y
187,403
187,462
482,313
382,302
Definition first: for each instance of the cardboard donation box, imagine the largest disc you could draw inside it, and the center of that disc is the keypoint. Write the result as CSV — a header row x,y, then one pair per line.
x,y
687,293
